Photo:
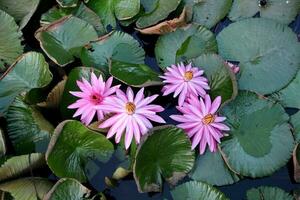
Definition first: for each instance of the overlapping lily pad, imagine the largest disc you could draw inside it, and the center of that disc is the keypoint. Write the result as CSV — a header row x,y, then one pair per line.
x,y
72,146
268,193
184,44
64,38
260,140
268,52
126,9
164,154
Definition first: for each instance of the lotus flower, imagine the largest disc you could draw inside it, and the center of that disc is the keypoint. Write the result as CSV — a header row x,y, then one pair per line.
x,y
184,81
131,115
92,98
201,122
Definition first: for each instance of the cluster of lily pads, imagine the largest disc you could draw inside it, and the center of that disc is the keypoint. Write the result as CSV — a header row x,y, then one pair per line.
x,y
136,41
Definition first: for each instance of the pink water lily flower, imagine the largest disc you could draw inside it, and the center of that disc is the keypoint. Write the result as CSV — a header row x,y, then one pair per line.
x,y
131,115
184,81
235,68
92,98
201,123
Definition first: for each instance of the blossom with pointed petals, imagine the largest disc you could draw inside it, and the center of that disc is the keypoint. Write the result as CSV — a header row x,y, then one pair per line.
x,y
184,81
131,115
234,68
201,123
92,98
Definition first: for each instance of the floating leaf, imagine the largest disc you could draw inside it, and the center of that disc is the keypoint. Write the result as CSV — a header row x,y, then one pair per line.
x,y
68,157
68,189
212,169
295,120
183,44
136,75
117,46
2,143
27,129
281,11
268,193
260,140
64,38
164,153
222,80
28,72
126,9
194,190
268,52
21,10
162,10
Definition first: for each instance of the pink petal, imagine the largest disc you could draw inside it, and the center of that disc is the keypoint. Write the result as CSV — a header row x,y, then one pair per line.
x,y
110,121
115,127
79,94
128,134
182,96
220,119
220,126
155,118
215,105
146,101
136,131
197,138
139,96
179,118
129,94
120,131
179,89
207,102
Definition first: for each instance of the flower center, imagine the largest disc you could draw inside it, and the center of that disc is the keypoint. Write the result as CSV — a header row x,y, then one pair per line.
x,y
188,75
208,119
130,108
96,98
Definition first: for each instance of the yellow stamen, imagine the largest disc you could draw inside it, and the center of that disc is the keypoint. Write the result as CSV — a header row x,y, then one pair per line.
x,y
188,75
208,119
130,108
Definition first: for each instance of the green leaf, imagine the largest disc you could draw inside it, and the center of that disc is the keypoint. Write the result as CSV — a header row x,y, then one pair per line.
x,y
30,71
18,165
117,46
162,10
222,80
260,140
68,157
281,11
27,188
126,9
67,3
212,169
295,120
21,10
68,189
149,5
64,38
165,153
2,143
268,52
268,193
194,190
10,40
27,129
184,44
136,75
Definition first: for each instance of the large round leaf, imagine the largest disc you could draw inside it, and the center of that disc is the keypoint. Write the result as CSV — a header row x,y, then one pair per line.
x,y
279,10
183,44
117,46
10,40
68,189
268,193
295,120
212,169
164,153
64,38
260,140
27,129
222,80
268,52
72,146
126,9
194,190
27,188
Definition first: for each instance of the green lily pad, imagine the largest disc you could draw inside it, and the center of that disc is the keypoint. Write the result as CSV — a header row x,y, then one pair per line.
x,y
68,157
149,5
165,153
268,193
2,143
194,190
184,44
279,10
136,75
64,38
126,9
268,52
68,189
30,71
27,188
27,129
222,80
212,169
21,10
295,120
67,3
260,140
10,35
117,46
17,165
162,10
